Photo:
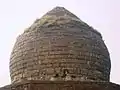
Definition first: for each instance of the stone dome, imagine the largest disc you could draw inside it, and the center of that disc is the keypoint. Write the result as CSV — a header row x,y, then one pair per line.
x,y
59,46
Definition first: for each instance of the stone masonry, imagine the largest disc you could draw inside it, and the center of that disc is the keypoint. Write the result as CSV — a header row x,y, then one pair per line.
x,y
60,47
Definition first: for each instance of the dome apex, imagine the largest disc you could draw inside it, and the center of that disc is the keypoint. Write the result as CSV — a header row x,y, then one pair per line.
x,y
61,11
59,8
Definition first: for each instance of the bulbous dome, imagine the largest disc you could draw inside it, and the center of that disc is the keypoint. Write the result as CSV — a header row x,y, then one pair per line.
x,y
60,46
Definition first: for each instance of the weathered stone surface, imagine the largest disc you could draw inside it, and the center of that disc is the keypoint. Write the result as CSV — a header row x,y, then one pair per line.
x,y
65,85
7,87
61,85
60,45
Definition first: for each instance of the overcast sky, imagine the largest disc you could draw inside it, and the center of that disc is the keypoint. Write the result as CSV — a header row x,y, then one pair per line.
x,y
16,15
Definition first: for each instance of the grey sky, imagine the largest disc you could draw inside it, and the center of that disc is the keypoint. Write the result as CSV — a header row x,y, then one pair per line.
x,y
16,15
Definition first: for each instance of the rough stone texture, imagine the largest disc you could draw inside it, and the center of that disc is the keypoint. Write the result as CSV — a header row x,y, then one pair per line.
x,y
65,85
61,85
60,47
7,87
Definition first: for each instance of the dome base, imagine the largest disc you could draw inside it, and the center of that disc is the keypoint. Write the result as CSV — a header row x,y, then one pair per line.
x,y
64,85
